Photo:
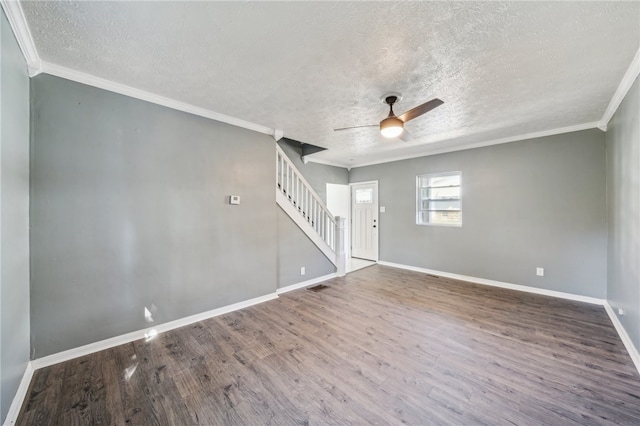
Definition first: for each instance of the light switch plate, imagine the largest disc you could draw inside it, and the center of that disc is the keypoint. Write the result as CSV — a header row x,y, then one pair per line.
x,y
382,209
234,199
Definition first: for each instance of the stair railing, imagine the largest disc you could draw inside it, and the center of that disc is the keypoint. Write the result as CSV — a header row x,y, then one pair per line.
x,y
304,199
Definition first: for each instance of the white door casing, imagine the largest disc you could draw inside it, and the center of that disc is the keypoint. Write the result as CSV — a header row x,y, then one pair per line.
x,y
339,204
364,220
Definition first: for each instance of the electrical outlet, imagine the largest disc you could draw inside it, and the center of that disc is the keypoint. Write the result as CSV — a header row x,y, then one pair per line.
x,y
303,271
540,272
620,311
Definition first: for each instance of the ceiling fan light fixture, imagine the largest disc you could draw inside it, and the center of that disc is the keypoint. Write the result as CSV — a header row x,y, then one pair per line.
x,y
391,127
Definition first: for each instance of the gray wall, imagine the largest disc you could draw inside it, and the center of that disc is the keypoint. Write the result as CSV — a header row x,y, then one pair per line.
x,y
129,210
623,203
295,250
318,175
538,202
14,213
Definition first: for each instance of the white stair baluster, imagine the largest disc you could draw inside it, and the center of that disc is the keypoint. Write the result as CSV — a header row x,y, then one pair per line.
x,y
304,206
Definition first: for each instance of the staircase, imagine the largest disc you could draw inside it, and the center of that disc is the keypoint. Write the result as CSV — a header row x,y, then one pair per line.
x,y
296,197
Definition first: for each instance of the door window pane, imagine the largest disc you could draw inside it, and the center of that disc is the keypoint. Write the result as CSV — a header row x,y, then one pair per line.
x,y
364,196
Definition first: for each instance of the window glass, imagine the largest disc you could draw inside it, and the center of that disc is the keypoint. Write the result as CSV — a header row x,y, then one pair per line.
x,y
440,193
446,180
439,200
443,205
364,196
444,218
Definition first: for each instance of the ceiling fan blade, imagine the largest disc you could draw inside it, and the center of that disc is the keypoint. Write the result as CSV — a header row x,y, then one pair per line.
x,y
405,136
420,109
356,127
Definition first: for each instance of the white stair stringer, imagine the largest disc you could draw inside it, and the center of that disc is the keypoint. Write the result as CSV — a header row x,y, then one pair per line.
x,y
296,197
305,226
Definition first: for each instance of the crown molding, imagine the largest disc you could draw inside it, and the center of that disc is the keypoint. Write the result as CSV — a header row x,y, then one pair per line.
x,y
623,88
310,159
35,66
444,150
112,86
20,28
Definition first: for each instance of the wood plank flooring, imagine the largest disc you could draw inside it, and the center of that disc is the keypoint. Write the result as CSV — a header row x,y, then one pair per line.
x,y
381,346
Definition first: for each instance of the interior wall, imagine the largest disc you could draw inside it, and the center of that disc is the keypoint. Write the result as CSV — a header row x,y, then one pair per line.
x,y
296,250
623,206
318,175
14,217
526,204
129,210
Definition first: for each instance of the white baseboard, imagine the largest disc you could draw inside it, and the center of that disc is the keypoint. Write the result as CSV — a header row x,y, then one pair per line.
x,y
161,328
141,334
500,284
626,340
624,336
49,360
18,399
306,283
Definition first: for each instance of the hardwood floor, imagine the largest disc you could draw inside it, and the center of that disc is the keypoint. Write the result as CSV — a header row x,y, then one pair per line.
x,y
380,346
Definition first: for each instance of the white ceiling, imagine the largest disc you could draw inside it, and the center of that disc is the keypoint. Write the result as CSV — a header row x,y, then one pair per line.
x,y
502,69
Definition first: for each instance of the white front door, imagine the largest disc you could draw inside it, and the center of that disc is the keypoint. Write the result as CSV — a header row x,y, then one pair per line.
x,y
364,220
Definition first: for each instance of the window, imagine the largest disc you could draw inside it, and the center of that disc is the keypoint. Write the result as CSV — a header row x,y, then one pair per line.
x,y
439,200
364,196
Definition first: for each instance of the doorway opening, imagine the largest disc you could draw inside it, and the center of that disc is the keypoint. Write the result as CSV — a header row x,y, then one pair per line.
x,y
358,203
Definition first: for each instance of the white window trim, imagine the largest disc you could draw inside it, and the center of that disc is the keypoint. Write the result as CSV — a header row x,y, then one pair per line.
x,y
418,209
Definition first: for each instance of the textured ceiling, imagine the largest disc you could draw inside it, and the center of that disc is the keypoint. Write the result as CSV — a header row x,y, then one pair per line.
x,y
503,69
